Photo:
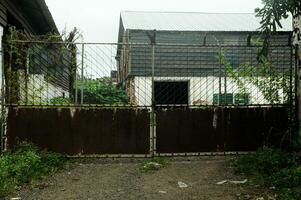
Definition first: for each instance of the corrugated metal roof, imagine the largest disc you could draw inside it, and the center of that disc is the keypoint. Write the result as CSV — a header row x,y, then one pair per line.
x,y
190,21
36,11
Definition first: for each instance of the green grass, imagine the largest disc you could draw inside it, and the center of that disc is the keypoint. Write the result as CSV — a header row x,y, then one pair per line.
x,y
154,164
273,168
25,164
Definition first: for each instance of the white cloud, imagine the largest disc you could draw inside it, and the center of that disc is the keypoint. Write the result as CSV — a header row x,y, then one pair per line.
x,y
99,19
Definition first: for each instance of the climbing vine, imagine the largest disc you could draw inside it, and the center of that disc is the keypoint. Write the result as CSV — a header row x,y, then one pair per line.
x,y
274,85
51,56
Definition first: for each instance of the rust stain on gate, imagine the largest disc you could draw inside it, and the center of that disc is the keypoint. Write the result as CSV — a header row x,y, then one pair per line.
x,y
218,129
81,131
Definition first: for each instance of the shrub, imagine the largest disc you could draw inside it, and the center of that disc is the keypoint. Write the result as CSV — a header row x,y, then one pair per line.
x,y
287,178
273,168
24,164
266,162
102,91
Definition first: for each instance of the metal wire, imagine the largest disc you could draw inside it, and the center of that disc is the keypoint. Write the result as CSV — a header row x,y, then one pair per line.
x,y
147,75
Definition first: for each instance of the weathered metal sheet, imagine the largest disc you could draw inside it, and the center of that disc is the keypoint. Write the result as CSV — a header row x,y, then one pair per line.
x,y
218,129
81,131
127,131
250,128
186,130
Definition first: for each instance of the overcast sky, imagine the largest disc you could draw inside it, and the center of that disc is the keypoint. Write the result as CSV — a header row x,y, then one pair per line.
x,y
99,19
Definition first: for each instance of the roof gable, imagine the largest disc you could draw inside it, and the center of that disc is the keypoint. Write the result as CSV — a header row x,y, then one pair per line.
x,y
192,21
34,13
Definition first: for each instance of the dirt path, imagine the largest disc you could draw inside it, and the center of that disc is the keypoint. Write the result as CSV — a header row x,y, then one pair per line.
x,y
123,179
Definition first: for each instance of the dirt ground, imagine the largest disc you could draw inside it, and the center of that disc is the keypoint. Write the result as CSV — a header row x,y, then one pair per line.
x,y
123,179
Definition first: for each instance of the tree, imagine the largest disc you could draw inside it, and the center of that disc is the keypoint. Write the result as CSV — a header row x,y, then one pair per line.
x,y
271,14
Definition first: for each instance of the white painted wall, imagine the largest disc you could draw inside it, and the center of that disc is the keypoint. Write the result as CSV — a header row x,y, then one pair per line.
x,y
39,91
200,89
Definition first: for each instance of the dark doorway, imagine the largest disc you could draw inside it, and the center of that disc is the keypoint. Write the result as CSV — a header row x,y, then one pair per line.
x,y
171,93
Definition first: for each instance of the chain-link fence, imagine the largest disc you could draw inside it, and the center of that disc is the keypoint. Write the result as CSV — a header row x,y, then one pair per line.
x,y
145,75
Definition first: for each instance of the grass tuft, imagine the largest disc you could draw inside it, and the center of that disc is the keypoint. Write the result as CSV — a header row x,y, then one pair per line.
x,y
154,164
273,168
24,164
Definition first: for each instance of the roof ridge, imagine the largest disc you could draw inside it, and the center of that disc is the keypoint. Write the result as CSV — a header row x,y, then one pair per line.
x,y
193,21
183,12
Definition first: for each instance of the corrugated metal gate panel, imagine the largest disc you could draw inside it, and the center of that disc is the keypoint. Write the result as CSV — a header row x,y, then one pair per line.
x,y
216,130
82,131
127,130
185,130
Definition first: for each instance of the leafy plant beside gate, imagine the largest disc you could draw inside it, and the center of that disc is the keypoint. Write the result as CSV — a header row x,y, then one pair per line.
x,y
33,69
276,86
274,169
24,164
101,91
43,70
95,92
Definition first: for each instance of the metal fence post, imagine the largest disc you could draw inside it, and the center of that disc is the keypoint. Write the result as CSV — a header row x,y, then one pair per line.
x,y
220,77
153,114
76,85
153,76
225,83
3,120
290,92
297,86
82,75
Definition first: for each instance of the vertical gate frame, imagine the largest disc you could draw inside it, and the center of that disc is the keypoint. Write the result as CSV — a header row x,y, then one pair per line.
x,y
3,109
153,138
82,75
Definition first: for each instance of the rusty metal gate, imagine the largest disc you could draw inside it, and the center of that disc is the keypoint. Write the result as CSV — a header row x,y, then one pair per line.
x,y
145,99
182,131
82,131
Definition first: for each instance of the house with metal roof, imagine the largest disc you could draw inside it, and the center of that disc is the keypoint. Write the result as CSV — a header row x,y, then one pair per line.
x,y
175,57
32,17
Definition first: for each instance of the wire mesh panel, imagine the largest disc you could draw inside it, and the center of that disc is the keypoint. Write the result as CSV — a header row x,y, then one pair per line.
x,y
40,74
145,75
97,76
223,75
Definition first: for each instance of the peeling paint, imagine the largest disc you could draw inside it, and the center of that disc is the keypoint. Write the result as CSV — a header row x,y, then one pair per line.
x,y
215,117
72,112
